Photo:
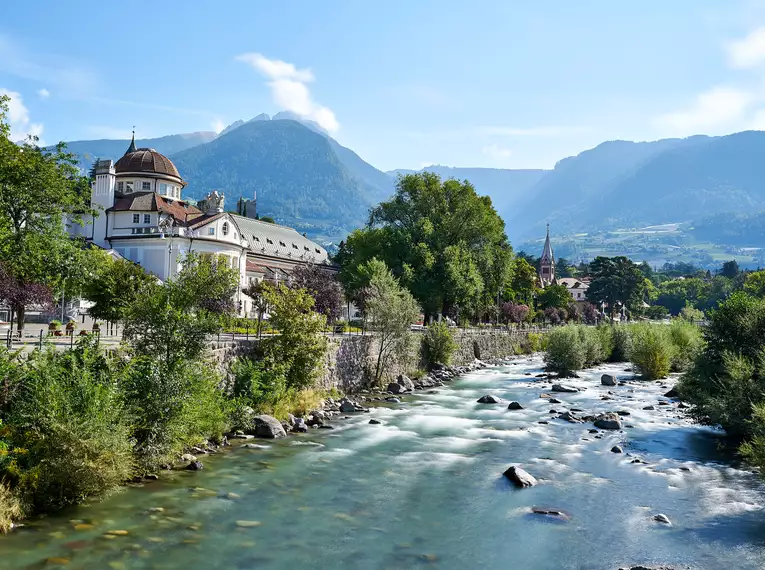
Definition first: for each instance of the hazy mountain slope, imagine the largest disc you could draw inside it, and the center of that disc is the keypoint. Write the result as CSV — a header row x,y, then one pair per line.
x,y
88,151
296,172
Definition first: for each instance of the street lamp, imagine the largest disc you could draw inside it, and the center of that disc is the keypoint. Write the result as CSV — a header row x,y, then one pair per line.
x,y
165,225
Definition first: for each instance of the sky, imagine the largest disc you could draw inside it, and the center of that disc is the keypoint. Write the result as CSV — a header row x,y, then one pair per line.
x,y
404,83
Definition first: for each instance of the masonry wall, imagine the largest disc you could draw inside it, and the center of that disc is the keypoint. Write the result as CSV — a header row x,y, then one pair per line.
x,y
350,361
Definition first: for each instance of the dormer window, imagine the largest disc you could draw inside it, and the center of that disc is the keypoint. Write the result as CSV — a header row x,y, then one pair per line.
x,y
294,246
317,250
145,185
210,231
256,238
281,243
305,247
136,218
269,241
128,187
224,228
120,186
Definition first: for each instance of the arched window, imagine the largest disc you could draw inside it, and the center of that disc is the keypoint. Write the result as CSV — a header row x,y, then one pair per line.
x,y
224,229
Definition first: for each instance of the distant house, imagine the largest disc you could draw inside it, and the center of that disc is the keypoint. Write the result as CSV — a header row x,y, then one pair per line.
x,y
576,286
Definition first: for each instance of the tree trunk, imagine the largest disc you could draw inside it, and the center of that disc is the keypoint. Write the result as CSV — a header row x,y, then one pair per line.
x,y
20,319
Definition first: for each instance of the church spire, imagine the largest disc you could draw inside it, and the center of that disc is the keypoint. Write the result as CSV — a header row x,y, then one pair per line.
x,y
132,147
547,261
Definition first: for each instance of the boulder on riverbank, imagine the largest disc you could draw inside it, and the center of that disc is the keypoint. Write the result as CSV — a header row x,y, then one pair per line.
x,y
564,388
608,421
514,406
393,388
608,380
519,477
489,399
268,427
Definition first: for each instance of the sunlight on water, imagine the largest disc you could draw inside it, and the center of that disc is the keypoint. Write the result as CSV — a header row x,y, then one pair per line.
x,y
425,489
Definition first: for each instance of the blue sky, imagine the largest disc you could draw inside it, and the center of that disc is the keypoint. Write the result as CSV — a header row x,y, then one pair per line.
x,y
405,83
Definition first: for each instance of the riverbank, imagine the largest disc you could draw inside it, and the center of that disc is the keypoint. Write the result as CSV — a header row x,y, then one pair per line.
x,y
424,486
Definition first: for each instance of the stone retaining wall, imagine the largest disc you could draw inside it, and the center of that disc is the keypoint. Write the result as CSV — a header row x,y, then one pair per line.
x,y
351,360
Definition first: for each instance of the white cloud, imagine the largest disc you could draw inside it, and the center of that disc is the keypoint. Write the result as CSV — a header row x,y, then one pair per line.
x,y
497,153
19,120
217,125
749,51
289,89
43,93
719,108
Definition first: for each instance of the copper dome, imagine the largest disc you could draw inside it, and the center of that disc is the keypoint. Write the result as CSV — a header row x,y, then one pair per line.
x,y
146,160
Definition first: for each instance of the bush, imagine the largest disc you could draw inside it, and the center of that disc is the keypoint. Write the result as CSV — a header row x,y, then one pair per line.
x,y
533,342
687,341
10,508
596,343
691,314
565,351
68,431
651,350
657,312
258,386
439,344
620,343
172,408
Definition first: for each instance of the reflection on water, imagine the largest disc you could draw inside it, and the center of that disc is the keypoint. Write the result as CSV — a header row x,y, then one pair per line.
x,y
425,489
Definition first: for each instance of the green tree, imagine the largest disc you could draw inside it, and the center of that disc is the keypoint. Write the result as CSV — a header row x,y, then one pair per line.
x,y
114,288
564,269
300,345
523,283
555,296
445,243
616,281
39,190
754,284
730,269
392,310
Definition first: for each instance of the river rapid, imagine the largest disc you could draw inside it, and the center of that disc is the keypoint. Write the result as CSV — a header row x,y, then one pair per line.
x,y
425,490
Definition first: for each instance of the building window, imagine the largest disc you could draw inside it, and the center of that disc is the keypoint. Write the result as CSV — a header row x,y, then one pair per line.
x,y
163,189
281,243
145,185
147,218
120,186
224,229
294,246
269,241
128,187
317,250
210,231
136,218
305,247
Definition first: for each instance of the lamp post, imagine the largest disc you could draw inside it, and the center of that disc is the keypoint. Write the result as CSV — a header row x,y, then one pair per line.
x,y
165,225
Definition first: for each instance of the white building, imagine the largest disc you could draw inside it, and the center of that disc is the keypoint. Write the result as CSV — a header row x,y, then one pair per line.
x,y
141,216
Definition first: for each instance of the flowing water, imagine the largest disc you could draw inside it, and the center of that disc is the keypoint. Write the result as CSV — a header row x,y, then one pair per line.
x,y
425,489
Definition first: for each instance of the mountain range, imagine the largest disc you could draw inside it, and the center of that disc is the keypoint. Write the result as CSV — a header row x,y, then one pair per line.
x,y
305,178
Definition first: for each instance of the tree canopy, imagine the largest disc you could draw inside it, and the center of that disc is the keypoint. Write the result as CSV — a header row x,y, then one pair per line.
x,y
616,281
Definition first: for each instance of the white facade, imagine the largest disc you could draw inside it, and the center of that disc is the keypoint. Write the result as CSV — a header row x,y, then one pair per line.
x,y
140,216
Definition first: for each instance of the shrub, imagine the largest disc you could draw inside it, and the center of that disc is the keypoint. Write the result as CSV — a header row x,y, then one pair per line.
x,y
687,341
69,433
657,312
651,350
533,342
691,314
620,339
439,344
565,351
596,344
10,508
258,386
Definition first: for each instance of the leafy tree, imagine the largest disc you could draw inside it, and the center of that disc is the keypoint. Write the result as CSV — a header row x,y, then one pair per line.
x,y
514,313
257,292
300,345
564,269
267,219
392,310
616,281
39,188
172,321
556,296
590,314
554,315
730,269
523,283
439,344
322,285
657,312
754,284
445,243
114,288
19,295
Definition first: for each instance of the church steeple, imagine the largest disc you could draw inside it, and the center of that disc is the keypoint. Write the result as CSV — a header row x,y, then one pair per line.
x,y
547,261
132,147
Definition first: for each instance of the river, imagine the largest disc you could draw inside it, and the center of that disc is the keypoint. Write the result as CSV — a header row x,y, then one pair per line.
x,y
425,490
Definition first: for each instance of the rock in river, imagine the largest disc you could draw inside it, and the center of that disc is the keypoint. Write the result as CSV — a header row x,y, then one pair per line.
x,y
514,406
569,417
394,388
195,466
608,380
519,477
662,518
268,427
489,399
616,449
563,388
608,421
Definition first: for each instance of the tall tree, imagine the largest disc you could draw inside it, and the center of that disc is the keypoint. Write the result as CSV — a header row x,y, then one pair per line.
x,y
445,243
39,189
616,281
115,288
730,269
523,283
556,296
322,285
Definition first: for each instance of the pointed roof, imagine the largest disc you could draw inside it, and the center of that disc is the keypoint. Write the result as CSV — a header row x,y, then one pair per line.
x,y
132,147
547,252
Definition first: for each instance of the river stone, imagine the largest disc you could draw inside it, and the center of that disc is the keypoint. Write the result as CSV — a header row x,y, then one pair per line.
x,y
405,382
649,408
616,449
564,388
195,466
519,477
569,417
514,406
299,425
268,427
374,421
608,380
393,400
247,524
672,394
393,387
489,399
608,421
662,518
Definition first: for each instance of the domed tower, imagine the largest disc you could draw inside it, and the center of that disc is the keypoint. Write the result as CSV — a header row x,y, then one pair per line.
x,y
547,261
146,170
